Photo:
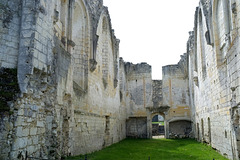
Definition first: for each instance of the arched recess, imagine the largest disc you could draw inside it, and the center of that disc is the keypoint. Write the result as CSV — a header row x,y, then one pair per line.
x,y
202,44
221,28
105,51
180,128
202,129
81,50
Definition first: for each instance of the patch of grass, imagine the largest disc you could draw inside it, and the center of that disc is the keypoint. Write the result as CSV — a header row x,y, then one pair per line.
x,y
161,123
155,149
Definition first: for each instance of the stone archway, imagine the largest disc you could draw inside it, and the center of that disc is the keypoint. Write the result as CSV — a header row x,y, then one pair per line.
x,y
179,128
151,112
158,129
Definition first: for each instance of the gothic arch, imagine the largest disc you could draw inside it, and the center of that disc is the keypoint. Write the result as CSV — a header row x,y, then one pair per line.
x,y
105,49
221,28
202,44
80,36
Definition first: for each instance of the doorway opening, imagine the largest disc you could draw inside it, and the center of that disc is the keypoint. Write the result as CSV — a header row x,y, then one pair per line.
x,y
209,131
158,130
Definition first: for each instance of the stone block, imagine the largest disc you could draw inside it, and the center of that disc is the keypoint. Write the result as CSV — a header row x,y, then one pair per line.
x,y
19,143
33,131
35,139
40,124
31,149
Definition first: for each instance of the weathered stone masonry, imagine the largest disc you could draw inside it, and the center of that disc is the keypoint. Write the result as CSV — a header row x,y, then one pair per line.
x,y
65,91
213,51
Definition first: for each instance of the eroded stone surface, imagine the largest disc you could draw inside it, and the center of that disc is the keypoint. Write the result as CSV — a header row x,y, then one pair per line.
x,y
77,96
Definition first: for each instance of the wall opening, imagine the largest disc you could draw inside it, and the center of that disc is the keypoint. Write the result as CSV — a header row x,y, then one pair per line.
x,y
209,131
80,50
107,128
105,51
202,45
198,132
107,137
158,129
180,129
202,127
223,24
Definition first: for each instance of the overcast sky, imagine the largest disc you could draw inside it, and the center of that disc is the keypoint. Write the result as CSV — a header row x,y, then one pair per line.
x,y
153,31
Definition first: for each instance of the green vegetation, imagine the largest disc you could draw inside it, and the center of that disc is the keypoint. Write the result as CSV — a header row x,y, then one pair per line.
x,y
155,149
161,123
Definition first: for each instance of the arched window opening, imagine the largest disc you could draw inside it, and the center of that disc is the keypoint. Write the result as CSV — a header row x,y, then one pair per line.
x,y
202,126
223,26
202,45
61,20
80,51
106,52
195,46
158,130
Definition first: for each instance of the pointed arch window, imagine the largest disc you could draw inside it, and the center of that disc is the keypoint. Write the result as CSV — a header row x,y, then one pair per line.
x,y
222,28
202,45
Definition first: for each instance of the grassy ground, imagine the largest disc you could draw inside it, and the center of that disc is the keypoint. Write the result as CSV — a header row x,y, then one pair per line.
x,y
155,149
161,123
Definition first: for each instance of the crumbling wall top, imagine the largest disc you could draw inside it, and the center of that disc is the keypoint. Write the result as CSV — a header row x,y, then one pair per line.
x,y
137,68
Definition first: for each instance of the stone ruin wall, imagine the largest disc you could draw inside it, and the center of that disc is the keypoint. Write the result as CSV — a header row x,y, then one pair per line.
x,y
72,94
68,102
213,49
139,94
176,96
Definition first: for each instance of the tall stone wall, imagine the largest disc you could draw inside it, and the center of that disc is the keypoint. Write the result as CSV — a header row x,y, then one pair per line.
x,y
9,32
157,96
65,91
139,80
136,94
214,75
176,96
67,62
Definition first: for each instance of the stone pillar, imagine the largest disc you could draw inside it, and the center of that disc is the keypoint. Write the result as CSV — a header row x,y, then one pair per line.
x,y
149,125
166,125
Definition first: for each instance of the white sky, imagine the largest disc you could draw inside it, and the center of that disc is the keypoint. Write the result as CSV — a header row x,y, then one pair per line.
x,y
153,31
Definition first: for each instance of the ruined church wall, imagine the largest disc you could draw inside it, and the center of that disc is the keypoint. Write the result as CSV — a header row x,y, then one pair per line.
x,y
57,115
9,32
216,76
176,96
43,68
9,50
98,114
138,96
139,81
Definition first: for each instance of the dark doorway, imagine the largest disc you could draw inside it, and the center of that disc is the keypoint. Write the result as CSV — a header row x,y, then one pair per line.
x,y
202,126
209,130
